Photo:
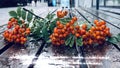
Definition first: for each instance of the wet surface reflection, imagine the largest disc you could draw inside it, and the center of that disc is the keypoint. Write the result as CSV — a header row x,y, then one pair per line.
x,y
59,57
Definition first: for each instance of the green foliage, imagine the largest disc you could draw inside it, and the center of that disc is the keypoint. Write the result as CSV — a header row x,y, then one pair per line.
x,y
45,33
13,14
42,28
19,11
29,17
52,25
68,40
50,16
19,22
23,14
79,41
113,40
65,20
72,42
118,37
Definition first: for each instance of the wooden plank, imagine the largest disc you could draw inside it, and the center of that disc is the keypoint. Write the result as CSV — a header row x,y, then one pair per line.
x,y
100,51
17,56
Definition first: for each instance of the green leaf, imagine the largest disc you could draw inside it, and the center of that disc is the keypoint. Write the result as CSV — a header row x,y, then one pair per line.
x,y
29,17
65,20
113,40
67,42
48,41
72,42
13,13
19,22
36,32
52,26
50,16
79,41
45,33
19,11
23,14
118,37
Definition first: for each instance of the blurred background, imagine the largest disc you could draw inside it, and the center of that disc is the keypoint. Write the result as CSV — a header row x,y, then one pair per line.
x,y
44,5
69,3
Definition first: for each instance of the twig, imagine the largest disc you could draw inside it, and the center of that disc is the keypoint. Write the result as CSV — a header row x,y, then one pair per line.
x,y
32,13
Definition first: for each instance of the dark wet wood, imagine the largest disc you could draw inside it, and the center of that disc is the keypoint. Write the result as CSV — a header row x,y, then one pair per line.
x,y
18,56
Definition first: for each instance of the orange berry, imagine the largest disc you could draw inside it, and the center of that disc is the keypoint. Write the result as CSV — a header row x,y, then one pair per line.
x,y
67,32
71,22
58,23
103,27
12,19
93,28
27,32
14,37
96,21
55,34
60,14
22,42
57,43
61,36
9,23
16,23
18,35
101,33
51,36
24,39
98,37
73,32
90,41
23,34
55,30
14,31
97,33
84,36
61,26
74,18
65,12
83,31
71,27
8,26
7,35
98,24
28,29
63,31
84,26
21,38
17,27
67,25
17,40
64,34
79,31
87,34
97,28
103,22
23,30
77,27
77,35
107,28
